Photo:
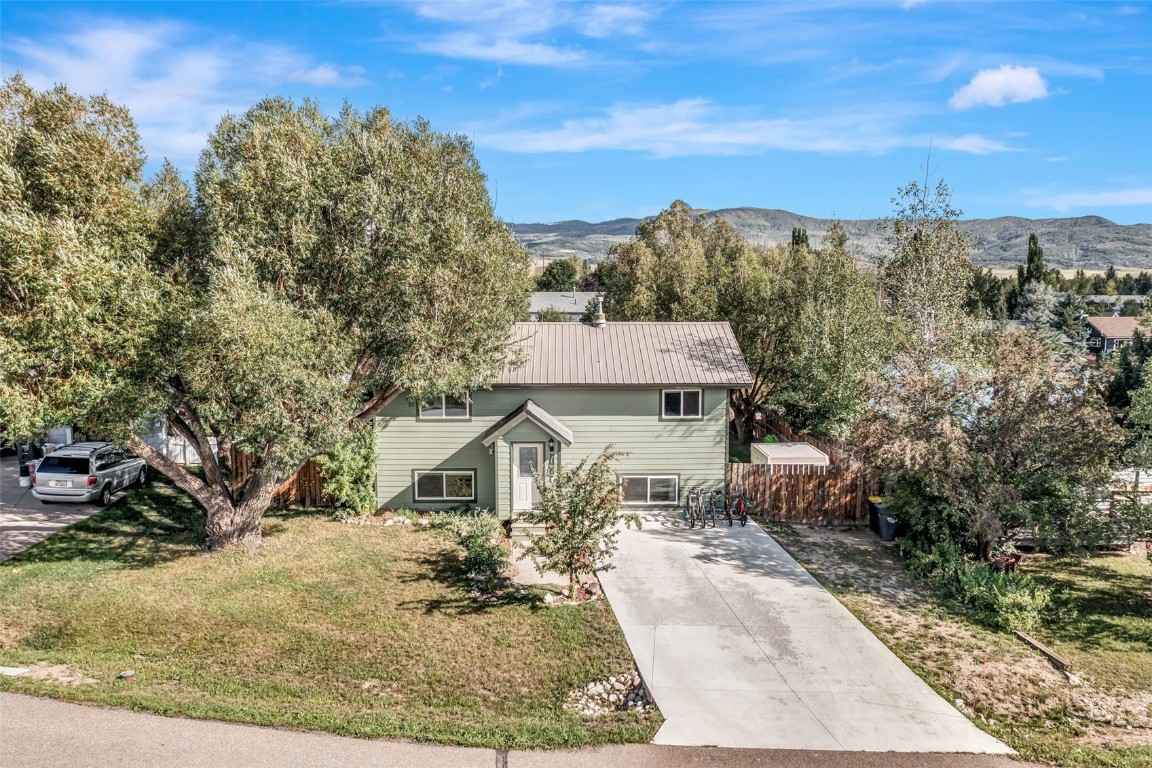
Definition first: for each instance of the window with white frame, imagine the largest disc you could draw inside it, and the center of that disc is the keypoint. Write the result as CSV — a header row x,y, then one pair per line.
x,y
446,407
681,403
650,489
445,485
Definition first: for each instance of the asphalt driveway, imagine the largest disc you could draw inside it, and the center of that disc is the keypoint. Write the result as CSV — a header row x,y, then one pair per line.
x,y
741,647
24,521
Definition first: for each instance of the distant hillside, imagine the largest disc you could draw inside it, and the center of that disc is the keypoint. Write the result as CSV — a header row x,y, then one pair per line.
x,y
1087,242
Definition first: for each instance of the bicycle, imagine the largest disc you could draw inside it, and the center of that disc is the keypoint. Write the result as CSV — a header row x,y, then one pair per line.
x,y
715,499
693,507
738,507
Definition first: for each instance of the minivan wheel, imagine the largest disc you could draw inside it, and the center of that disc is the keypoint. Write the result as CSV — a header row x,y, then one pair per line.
x,y
105,496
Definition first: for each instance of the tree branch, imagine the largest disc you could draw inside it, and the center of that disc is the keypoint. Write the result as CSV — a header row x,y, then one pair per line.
x,y
374,405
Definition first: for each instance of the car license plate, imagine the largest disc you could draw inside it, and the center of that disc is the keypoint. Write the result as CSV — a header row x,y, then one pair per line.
x,y
59,483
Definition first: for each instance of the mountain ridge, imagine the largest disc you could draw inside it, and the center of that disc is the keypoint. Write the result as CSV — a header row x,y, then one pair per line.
x,y
1084,242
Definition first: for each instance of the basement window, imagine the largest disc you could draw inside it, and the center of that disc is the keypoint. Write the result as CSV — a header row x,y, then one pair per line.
x,y
650,489
445,485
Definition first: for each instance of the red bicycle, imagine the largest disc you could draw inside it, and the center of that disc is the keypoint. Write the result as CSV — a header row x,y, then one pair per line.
x,y
738,508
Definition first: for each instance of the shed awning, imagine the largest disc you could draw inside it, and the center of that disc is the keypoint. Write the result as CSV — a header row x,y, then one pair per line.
x,y
534,413
790,454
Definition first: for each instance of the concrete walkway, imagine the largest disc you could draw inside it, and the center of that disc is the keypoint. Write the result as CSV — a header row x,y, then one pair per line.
x,y
741,647
24,521
42,733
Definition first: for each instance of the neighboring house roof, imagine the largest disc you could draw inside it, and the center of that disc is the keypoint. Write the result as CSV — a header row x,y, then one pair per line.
x,y
565,301
788,454
1114,327
531,412
1104,298
627,354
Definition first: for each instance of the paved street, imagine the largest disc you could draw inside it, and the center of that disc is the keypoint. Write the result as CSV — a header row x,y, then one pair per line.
x,y
741,647
24,521
42,733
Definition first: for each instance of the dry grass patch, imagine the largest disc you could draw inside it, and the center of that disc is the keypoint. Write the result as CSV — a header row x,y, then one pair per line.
x,y
365,631
1102,624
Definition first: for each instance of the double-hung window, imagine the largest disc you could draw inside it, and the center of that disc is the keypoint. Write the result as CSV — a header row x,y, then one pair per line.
x,y
446,407
650,489
446,485
681,404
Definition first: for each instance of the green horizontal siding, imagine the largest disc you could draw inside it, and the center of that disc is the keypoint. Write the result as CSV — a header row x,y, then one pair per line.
x,y
629,419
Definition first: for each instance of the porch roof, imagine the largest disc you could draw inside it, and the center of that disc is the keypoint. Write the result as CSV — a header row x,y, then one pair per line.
x,y
540,417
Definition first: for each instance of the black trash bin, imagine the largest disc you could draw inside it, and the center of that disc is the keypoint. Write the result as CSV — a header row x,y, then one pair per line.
x,y
888,526
876,507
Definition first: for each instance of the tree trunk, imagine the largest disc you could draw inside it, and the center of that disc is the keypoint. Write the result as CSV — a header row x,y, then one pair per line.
x,y
741,429
231,521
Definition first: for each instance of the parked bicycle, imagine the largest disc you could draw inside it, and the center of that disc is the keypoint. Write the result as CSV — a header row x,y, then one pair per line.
x,y
715,503
694,507
738,507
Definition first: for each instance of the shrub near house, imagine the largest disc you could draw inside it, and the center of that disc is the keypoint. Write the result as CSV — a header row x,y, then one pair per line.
x,y
658,392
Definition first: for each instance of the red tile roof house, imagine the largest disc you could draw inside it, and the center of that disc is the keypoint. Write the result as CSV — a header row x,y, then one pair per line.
x,y
1107,334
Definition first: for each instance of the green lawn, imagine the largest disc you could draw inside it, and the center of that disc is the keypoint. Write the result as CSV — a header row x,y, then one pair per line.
x,y
357,630
1101,623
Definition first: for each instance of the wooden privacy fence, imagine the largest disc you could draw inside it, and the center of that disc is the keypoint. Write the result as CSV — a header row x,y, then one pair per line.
x,y
303,489
833,495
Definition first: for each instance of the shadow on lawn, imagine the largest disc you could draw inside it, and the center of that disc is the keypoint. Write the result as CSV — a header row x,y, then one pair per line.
x,y
447,569
149,526
1109,605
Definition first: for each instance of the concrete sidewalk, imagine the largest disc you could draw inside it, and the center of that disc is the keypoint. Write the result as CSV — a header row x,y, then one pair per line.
x,y
741,647
43,733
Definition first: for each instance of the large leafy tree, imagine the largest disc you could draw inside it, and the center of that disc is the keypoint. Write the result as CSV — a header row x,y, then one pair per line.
x,y
76,297
926,276
323,267
978,450
559,275
809,324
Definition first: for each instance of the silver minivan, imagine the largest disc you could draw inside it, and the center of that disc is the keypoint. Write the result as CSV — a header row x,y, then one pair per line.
x,y
89,471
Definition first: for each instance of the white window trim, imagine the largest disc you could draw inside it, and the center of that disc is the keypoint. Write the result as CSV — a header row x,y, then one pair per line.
x,y
682,417
648,491
417,474
443,411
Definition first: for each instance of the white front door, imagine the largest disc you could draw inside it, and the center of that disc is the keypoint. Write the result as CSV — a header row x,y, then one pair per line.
x,y
525,461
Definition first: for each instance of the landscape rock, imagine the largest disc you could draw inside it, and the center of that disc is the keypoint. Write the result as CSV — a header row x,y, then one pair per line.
x,y
617,693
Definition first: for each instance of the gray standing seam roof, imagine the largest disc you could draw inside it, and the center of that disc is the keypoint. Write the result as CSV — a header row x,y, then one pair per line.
x,y
627,355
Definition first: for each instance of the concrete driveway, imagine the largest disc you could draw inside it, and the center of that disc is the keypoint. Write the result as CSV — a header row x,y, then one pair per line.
x,y
24,521
741,647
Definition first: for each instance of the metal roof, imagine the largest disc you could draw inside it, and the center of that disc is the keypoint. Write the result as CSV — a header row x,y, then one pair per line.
x,y
530,411
565,301
1115,327
627,355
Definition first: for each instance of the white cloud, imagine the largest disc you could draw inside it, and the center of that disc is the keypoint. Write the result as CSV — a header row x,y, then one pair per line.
x,y
608,20
997,87
176,85
697,127
469,45
974,144
1066,201
513,31
490,82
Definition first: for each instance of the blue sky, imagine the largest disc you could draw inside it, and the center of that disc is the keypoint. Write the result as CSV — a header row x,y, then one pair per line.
x,y
607,109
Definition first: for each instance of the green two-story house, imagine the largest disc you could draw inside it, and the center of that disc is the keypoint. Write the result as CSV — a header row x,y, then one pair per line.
x,y
656,391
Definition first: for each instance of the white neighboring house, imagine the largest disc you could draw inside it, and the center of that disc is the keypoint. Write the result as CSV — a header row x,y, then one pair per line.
x,y
171,445
571,303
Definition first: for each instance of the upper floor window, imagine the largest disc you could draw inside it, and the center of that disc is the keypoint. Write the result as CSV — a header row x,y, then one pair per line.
x,y
682,403
446,407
